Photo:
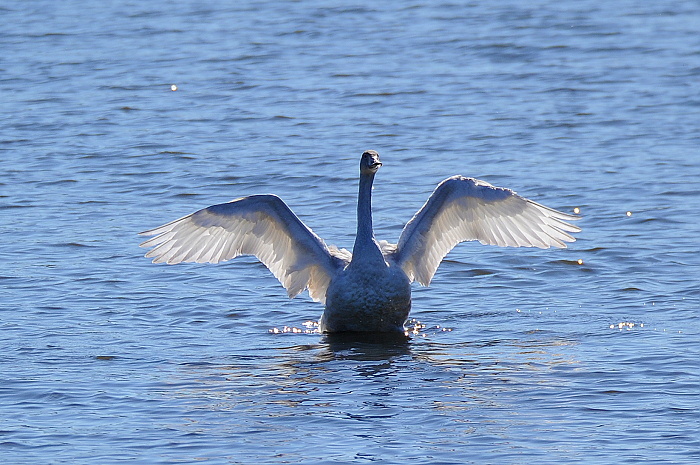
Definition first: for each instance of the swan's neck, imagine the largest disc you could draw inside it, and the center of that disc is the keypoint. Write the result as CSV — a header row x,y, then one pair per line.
x,y
365,245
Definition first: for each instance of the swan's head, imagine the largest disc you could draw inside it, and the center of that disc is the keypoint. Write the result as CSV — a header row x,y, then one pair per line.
x,y
369,164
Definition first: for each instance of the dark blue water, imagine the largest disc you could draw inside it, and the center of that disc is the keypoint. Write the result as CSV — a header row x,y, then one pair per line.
x,y
526,356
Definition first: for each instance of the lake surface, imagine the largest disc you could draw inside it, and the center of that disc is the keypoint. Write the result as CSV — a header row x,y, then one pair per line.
x,y
520,356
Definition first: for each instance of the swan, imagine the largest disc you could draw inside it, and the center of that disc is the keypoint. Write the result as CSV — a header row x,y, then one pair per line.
x,y
370,288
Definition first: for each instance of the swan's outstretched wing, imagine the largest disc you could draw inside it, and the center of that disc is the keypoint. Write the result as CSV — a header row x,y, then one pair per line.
x,y
260,225
464,209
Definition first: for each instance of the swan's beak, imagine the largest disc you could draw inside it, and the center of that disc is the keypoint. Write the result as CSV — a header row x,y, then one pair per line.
x,y
370,161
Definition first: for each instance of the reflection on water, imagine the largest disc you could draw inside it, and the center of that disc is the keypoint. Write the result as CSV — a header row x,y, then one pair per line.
x,y
374,389
337,362
366,346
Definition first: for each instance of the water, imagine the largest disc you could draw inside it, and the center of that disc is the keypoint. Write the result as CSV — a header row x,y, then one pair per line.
x,y
526,356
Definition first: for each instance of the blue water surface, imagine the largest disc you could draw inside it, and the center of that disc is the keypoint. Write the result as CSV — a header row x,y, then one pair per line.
x,y
589,354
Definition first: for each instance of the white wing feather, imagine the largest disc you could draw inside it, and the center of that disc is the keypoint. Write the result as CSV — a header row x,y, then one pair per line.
x,y
260,225
465,209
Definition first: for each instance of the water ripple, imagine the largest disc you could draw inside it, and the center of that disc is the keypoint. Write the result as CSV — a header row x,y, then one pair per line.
x,y
588,353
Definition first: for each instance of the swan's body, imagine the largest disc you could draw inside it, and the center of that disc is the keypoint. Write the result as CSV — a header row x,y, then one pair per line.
x,y
368,290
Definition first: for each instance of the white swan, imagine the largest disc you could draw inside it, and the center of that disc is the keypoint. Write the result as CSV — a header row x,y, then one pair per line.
x,y
368,290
